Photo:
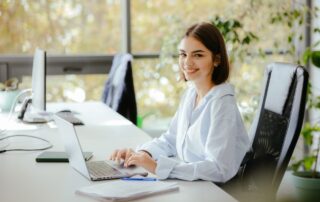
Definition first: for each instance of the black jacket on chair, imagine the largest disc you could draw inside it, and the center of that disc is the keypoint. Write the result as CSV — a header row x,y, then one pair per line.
x,y
119,91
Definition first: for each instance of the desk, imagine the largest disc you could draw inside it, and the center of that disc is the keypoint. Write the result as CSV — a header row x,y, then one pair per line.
x,y
22,179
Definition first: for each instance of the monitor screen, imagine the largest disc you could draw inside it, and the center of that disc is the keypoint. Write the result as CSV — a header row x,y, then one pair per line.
x,y
39,81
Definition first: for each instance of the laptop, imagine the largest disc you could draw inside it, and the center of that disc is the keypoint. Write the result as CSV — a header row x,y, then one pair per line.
x,y
93,170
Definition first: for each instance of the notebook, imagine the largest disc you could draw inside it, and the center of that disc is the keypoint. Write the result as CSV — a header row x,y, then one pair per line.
x,y
93,170
119,190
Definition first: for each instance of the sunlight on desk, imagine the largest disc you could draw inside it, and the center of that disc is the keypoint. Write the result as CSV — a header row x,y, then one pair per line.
x,y
51,124
15,125
23,179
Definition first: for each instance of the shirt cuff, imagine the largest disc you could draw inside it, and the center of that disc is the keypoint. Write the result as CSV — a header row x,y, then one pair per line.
x,y
149,148
164,167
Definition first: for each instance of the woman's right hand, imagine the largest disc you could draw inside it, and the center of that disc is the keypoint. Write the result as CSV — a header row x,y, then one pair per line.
x,y
122,154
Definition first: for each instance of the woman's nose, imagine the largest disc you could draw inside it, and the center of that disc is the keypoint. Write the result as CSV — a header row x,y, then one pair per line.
x,y
188,61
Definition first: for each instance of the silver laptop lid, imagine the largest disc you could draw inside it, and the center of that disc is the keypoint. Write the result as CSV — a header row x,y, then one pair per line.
x,y
72,145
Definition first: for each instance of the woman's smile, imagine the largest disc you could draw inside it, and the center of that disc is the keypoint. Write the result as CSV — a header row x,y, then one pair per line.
x,y
190,71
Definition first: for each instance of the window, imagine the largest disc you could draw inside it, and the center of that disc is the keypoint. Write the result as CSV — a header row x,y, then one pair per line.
x,y
76,29
90,28
60,27
162,23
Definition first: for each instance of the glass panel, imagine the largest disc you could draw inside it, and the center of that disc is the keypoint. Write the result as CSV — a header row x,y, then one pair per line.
x,y
71,88
155,23
158,92
157,89
247,78
162,24
60,26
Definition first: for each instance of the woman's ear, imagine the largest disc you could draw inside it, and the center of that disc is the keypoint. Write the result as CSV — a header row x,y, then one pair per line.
x,y
216,60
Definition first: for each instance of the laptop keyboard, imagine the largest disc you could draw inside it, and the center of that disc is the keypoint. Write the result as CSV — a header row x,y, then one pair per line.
x,y
101,169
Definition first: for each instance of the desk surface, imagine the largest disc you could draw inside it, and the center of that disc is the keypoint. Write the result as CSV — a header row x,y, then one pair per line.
x,y
22,179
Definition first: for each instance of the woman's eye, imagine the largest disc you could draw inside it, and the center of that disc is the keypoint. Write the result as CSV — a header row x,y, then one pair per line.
x,y
182,54
197,55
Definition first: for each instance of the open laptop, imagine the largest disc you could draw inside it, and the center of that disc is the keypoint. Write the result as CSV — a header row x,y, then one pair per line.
x,y
93,170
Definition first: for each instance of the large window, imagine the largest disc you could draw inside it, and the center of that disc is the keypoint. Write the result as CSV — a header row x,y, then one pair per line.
x,y
75,27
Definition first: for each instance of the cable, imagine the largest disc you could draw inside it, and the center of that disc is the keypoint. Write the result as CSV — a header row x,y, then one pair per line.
x,y
3,131
5,145
32,149
23,92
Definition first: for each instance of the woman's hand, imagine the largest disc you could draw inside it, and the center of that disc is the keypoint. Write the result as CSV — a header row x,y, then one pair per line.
x,y
132,158
142,159
121,154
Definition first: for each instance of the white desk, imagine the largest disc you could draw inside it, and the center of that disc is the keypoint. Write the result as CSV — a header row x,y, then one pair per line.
x,y
22,179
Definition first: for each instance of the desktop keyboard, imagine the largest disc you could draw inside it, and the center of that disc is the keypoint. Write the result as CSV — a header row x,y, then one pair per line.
x,y
70,117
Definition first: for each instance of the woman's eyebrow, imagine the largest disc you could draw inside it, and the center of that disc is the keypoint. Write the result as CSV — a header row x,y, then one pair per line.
x,y
196,51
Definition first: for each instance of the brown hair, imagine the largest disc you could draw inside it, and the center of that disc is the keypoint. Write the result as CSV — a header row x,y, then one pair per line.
x,y
213,40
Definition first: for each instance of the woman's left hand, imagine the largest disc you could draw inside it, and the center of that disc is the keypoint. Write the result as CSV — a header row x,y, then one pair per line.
x,y
142,159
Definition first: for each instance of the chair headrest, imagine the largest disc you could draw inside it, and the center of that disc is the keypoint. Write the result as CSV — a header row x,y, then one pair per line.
x,y
281,77
120,69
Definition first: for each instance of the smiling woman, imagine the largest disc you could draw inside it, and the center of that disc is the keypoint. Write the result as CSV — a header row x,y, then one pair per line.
x,y
203,58
206,136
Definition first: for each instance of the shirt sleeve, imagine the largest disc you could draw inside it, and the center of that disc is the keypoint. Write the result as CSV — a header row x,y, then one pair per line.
x,y
165,145
223,153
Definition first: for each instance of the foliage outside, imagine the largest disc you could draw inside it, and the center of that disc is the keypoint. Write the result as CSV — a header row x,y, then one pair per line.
x,y
309,132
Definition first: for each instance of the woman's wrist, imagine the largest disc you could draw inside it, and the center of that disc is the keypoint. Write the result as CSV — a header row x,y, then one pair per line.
x,y
145,151
153,167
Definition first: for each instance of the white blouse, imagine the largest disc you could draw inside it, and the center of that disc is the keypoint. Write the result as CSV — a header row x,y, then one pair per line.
x,y
207,142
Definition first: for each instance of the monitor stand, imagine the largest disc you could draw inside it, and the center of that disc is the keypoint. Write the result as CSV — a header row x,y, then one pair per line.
x,y
32,115
37,117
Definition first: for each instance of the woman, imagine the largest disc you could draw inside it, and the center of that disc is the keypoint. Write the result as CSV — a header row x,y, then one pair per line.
x,y
206,138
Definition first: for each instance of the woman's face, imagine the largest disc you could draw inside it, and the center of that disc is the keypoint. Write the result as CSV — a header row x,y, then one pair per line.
x,y
195,60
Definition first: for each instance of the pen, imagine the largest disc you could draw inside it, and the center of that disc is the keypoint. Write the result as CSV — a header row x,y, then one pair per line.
x,y
139,179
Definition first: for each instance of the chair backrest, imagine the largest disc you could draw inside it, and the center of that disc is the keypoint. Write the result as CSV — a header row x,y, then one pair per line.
x,y
276,127
119,92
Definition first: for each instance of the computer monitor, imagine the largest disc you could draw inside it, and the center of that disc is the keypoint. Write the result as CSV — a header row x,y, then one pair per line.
x,y
39,81
35,113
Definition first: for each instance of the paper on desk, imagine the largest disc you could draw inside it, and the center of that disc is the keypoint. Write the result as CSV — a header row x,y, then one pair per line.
x,y
119,190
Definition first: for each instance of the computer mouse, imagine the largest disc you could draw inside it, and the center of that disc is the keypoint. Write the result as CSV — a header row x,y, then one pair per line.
x,y
65,111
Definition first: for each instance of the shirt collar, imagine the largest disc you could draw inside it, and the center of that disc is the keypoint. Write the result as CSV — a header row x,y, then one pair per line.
x,y
217,91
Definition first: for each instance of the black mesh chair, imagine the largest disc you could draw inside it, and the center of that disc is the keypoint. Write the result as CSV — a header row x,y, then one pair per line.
x,y
274,134
119,92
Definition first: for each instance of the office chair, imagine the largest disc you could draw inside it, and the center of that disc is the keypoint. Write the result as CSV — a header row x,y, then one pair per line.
x,y
274,134
119,92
